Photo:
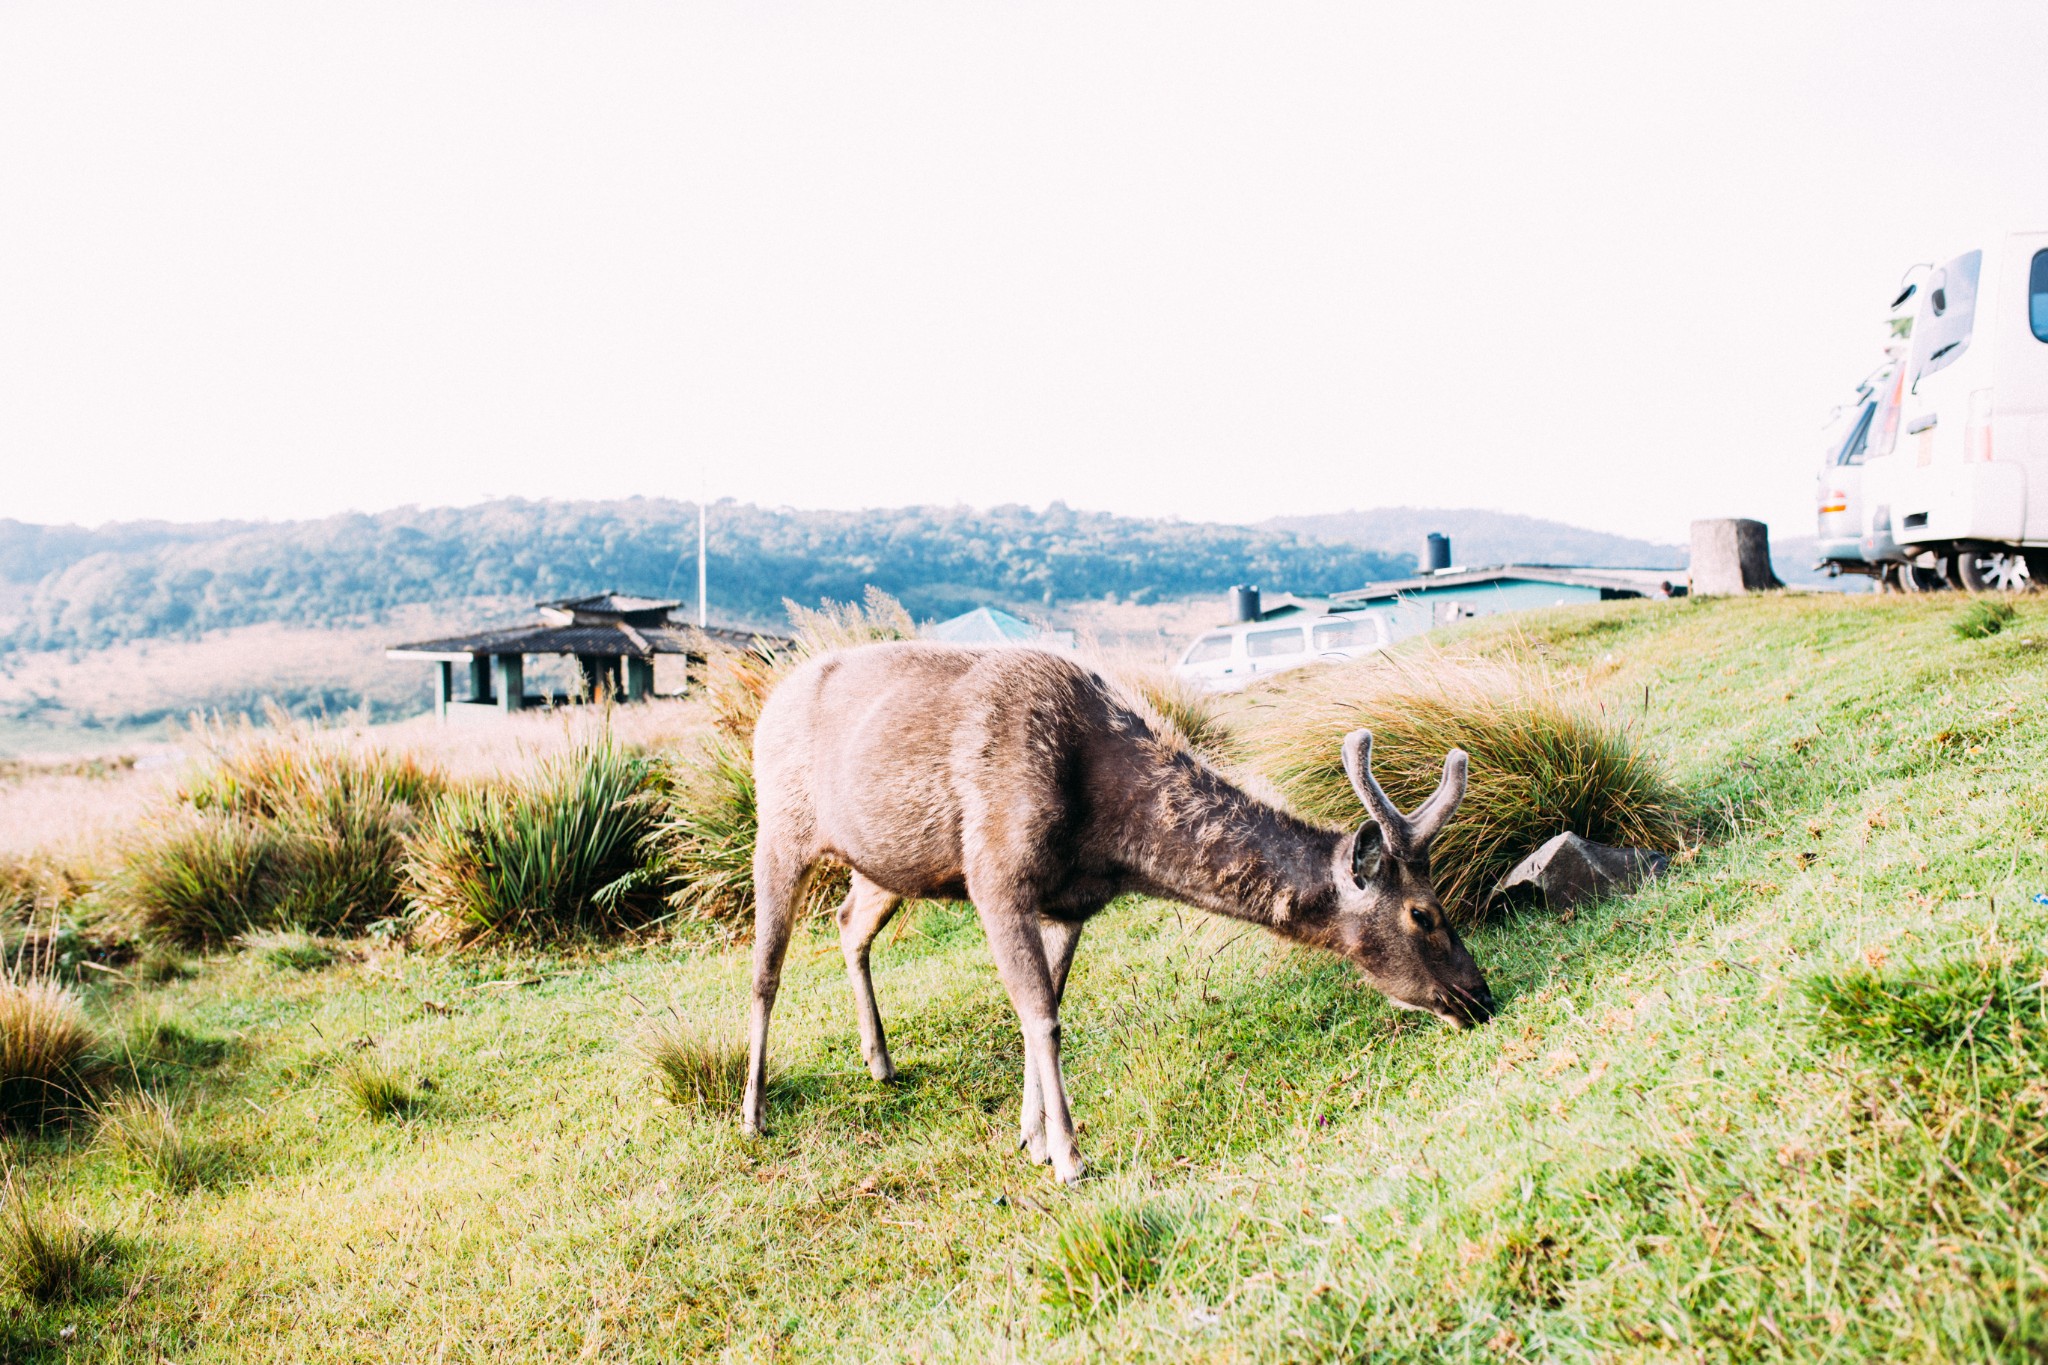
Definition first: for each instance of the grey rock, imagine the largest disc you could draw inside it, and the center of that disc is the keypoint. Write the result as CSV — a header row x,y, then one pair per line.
x,y
1569,870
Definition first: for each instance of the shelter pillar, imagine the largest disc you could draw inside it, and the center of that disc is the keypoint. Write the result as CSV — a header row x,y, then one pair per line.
x,y
511,681
444,687
600,675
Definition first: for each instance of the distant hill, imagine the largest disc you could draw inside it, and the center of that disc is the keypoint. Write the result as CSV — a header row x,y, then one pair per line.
x,y
1483,537
69,587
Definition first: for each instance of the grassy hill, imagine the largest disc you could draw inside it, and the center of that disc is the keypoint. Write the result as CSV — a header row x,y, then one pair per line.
x,y
75,588
1789,1103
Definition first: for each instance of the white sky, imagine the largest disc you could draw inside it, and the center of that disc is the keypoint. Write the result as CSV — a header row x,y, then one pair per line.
x,y
1209,260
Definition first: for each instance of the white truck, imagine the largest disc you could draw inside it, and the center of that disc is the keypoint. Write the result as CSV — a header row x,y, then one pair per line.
x,y
1939,475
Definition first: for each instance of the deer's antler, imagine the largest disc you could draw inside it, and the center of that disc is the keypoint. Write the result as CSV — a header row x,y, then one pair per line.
x,y
1407,835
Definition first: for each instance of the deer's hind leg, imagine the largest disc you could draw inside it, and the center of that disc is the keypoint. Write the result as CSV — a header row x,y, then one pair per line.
x,y
861,915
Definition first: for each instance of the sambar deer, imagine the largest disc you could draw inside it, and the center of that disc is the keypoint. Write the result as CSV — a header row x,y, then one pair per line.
x,y
1021,781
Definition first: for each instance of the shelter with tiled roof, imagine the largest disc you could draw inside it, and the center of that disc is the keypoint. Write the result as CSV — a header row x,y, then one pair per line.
x,y
613,637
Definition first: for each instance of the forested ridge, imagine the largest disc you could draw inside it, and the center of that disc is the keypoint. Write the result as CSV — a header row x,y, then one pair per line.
x,y
80,588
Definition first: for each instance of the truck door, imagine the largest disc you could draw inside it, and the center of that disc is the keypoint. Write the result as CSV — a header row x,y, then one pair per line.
x,y
2018,402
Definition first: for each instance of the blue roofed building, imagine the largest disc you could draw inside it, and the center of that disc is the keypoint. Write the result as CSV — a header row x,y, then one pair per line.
x,y
990,626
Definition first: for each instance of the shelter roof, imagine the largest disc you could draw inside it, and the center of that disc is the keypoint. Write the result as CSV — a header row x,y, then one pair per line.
x,y
616,639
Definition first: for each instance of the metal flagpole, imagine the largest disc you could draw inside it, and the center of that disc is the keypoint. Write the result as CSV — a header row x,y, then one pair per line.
x,y
703,613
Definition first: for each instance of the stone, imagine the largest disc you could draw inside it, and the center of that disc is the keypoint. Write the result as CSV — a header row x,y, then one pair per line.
x,y
1731,556
1568,871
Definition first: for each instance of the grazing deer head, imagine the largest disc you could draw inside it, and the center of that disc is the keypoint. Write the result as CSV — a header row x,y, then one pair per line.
x,y
1389,919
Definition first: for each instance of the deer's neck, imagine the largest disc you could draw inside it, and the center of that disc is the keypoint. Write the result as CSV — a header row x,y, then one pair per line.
x,y
1201,840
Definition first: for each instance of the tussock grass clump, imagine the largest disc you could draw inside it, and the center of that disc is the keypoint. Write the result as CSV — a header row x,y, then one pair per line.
x,y
144,1127
1104,1255
694,1067
281,827
271,774
45,1255
1983,618
555,850
49,1050
375,1088
1544,760
202,877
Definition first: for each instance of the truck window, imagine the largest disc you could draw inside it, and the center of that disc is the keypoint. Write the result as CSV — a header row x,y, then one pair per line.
x,y
1337,635
2037,295
1264,644
1209,649
1942,333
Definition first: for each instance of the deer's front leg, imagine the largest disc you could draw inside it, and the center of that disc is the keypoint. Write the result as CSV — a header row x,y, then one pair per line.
x,y
1020,962
1058,939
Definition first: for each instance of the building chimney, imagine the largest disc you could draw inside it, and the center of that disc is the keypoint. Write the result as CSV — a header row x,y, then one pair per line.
x,y
1244,604
1436,553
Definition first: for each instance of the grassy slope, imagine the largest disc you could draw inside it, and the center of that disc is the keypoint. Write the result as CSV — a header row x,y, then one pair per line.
x,y
1652,1154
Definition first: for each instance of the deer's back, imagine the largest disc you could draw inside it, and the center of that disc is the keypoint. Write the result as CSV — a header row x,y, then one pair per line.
x,y
906,759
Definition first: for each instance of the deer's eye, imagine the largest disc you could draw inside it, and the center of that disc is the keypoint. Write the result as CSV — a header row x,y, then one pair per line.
x,y
1421,917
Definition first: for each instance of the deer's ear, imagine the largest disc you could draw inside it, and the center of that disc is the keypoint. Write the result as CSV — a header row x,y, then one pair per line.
x,y
1368,850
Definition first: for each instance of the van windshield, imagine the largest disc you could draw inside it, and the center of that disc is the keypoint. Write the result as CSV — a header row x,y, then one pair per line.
x,y
1209,649
1858,442
2037,295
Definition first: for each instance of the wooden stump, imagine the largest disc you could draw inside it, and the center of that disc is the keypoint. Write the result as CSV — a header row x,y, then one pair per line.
x,y
1731,555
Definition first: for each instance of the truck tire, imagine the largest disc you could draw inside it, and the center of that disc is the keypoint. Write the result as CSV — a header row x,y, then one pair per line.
x,y
1986,569
1915,578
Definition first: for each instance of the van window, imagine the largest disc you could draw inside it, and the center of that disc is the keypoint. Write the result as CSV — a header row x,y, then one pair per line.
x,y
1858,442
1943,332
2037,295
1338,635
1264,644
1209,649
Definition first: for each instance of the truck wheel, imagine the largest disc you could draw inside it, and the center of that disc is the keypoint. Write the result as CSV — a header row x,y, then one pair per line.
x,y
1992,571
1914,578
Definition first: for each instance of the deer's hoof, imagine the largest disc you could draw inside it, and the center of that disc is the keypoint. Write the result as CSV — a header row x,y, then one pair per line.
x,y
1068,1172
881,1068
1033,1146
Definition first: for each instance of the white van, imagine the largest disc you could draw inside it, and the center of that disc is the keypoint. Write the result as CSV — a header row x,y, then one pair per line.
x,y
1955,480
1229,657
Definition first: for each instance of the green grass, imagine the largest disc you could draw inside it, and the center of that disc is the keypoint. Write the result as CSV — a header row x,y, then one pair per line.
x,y
1783,1104
1984,617
291,950
1101,1256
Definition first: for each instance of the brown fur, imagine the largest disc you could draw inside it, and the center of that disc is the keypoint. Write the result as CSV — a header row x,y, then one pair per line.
x,y
1022,781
